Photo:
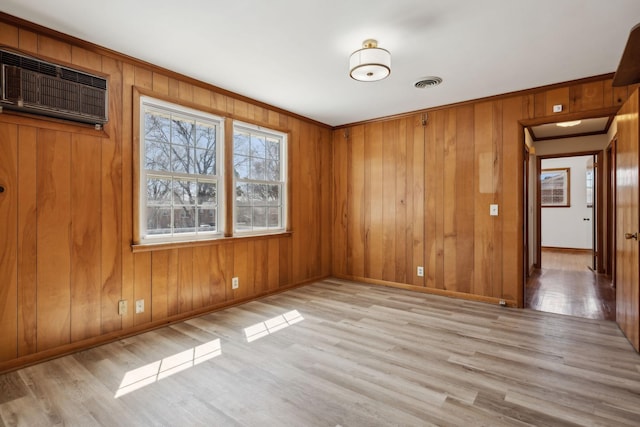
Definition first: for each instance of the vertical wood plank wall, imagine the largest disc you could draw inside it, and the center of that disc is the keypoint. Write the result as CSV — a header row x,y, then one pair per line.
x,y
66,257
407,194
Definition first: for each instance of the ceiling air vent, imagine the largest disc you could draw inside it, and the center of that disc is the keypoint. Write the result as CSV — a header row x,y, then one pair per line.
x,y
39,87
427,82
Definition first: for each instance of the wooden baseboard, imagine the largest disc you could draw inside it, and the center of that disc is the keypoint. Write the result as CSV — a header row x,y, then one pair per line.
x,y
566,250
441,292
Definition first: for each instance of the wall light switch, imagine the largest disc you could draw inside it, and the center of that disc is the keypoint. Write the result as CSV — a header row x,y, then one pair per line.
x,y
493,210
139,306
557,108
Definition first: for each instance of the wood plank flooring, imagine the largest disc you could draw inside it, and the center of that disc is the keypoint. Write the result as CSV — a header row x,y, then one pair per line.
x,y
341,353
566,285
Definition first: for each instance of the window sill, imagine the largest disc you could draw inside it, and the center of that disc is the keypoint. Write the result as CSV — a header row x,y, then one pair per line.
x,y
149,247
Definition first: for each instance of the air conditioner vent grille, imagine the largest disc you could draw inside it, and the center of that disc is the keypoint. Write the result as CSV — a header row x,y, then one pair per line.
x,y
44,88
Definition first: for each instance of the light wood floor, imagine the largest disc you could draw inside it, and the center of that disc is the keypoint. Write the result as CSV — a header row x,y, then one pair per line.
x,y
337,353
566,285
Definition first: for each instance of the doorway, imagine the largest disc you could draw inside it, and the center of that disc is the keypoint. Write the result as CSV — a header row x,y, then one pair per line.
x,y
567,262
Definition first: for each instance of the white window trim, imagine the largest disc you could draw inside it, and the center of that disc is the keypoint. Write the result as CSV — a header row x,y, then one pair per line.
x,y
284,176
164,106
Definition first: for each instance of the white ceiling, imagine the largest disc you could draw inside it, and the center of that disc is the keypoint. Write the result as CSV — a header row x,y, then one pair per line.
x,y
294,54
585,127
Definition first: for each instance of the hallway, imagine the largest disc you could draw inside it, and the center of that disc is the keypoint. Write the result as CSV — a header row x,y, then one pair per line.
x,y
566,285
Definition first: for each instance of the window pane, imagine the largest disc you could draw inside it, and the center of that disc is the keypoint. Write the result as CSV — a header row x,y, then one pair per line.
x,y
206,136
258,146
273,170
207,193
207,219
183,132
273,220
257,169
157,127
158,191
158,220
184,192
184,219
156,156
241,167
205,162
273,149
260,194
259,217
243,194
273,195
243,218
241,143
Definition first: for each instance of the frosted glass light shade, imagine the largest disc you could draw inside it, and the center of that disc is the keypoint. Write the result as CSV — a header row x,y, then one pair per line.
x,y
370,64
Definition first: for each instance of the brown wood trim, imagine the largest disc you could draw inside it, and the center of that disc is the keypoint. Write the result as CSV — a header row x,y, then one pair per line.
x,y
566,250
229,180
50,123
31,26
135,165
525,92
433,291
59,351
538,263
136,248
598,250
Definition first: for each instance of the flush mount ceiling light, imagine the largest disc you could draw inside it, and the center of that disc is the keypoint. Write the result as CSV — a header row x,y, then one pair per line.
x,y
569,124
370,63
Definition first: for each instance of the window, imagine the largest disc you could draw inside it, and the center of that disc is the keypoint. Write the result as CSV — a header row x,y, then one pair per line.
x,y
181,173
554,187
259,169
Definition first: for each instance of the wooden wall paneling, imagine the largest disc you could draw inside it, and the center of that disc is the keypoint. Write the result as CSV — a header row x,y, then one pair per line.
x,y
340,214
9,247
387,203
86,237
432,172
558,96
218,101
220,277
355,202
112,200
498,197
325,202
273,261
586,96
439,121
512,200
619,95
298,200
450,190
128,268
242,264
142,287
27,226
465,197
54,49
202,96
310,143
185,280
374,244
53,177
164,284
156,81
85,59
401,274
9,35
28,41
528,106
415,198
240,109
260,266
483,223
540,104
174,88
286,269
185,91
202,280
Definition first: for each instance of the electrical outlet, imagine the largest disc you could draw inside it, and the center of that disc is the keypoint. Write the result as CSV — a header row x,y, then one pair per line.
x,y
235,283
139,306
420,271
503,303
122,307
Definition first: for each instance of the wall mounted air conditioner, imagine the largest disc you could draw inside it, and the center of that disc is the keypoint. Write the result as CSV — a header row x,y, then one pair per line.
x,y
39,87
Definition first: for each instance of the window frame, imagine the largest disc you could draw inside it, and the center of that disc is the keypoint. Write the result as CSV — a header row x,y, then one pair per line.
x,y
283,138
150,103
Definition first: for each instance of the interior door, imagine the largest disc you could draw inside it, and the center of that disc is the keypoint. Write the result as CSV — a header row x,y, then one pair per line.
x,y
628,223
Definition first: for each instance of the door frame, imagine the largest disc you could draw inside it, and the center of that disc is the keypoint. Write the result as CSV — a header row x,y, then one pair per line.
x,y
597,250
